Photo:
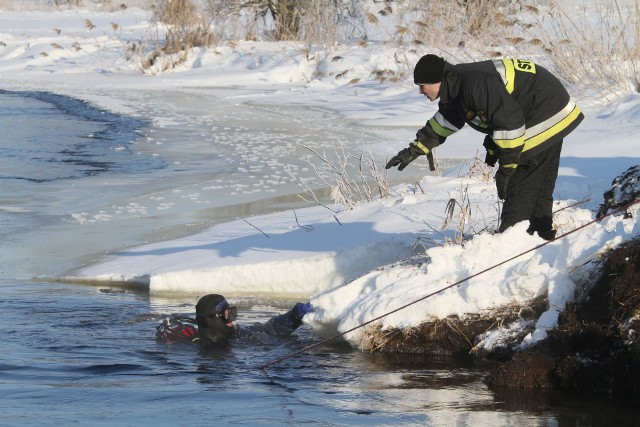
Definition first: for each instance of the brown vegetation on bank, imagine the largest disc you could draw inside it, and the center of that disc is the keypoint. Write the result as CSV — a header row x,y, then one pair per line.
x,y
595,346
455,336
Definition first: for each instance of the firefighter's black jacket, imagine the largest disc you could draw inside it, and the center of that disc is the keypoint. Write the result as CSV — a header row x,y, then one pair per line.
x,y
521,105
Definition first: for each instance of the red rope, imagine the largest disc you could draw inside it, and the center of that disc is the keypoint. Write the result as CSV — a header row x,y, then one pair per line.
x,y
312,346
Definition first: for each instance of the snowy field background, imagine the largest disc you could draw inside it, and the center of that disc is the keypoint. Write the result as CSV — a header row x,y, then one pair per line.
x,y
343,260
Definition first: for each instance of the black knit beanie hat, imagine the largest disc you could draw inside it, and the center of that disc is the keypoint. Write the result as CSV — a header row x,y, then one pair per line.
x,y
429,70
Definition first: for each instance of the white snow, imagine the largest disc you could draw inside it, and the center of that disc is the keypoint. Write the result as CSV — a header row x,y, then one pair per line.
x,y
343,262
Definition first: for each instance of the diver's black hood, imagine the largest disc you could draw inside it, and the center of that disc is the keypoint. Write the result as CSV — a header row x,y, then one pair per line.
x,y
210,317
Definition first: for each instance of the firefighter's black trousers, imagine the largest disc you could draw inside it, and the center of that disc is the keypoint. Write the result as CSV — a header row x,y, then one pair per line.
x,y
530,193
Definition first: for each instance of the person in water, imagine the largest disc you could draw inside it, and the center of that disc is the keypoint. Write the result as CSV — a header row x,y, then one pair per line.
x,y
214,323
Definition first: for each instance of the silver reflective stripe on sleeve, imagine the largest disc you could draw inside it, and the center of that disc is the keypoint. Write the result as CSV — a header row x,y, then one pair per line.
x,y
501,70
442,126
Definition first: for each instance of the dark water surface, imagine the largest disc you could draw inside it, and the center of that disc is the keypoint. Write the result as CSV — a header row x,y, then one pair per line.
x,y
85,355
49,137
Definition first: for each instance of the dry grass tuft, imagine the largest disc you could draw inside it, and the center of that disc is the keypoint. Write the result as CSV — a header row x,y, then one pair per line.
x,y
186,28
352,178
596,54
452,336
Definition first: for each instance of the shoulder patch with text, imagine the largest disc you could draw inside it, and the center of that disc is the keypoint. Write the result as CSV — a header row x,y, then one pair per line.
x,y
523,65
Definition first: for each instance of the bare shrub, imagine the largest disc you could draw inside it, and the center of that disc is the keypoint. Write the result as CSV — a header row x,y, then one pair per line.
x,y
186,28
315,22
181,13
329,22
287,16
449,24
598,54
462,217
353,179
480,170
458,31
281,19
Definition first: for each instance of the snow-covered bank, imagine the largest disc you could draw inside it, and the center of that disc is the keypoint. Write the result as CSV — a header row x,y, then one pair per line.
x,y
332,257
299,252
316,255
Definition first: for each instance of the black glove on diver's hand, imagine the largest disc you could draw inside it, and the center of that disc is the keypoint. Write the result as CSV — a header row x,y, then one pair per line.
x,y
303,308
404,157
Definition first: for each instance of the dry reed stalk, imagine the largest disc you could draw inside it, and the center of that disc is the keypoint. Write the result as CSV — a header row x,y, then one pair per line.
x,y
353,179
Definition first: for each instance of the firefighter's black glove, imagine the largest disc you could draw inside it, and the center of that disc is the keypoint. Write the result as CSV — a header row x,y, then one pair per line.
x,y
503,175
405,156
427,138
491,147
490,159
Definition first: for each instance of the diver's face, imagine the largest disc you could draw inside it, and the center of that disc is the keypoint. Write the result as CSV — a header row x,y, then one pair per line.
x,y
231,314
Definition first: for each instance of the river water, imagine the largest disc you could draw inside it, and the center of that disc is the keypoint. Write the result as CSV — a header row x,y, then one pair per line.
x,y
78,182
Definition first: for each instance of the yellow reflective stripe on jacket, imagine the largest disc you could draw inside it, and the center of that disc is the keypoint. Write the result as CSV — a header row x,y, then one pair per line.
x,y
510,75
507,73
509,165
509,138
419,144
441,126
507,70
510,143
541,132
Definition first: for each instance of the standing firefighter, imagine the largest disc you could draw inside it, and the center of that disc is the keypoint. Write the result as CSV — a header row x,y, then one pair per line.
x,y
525,113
